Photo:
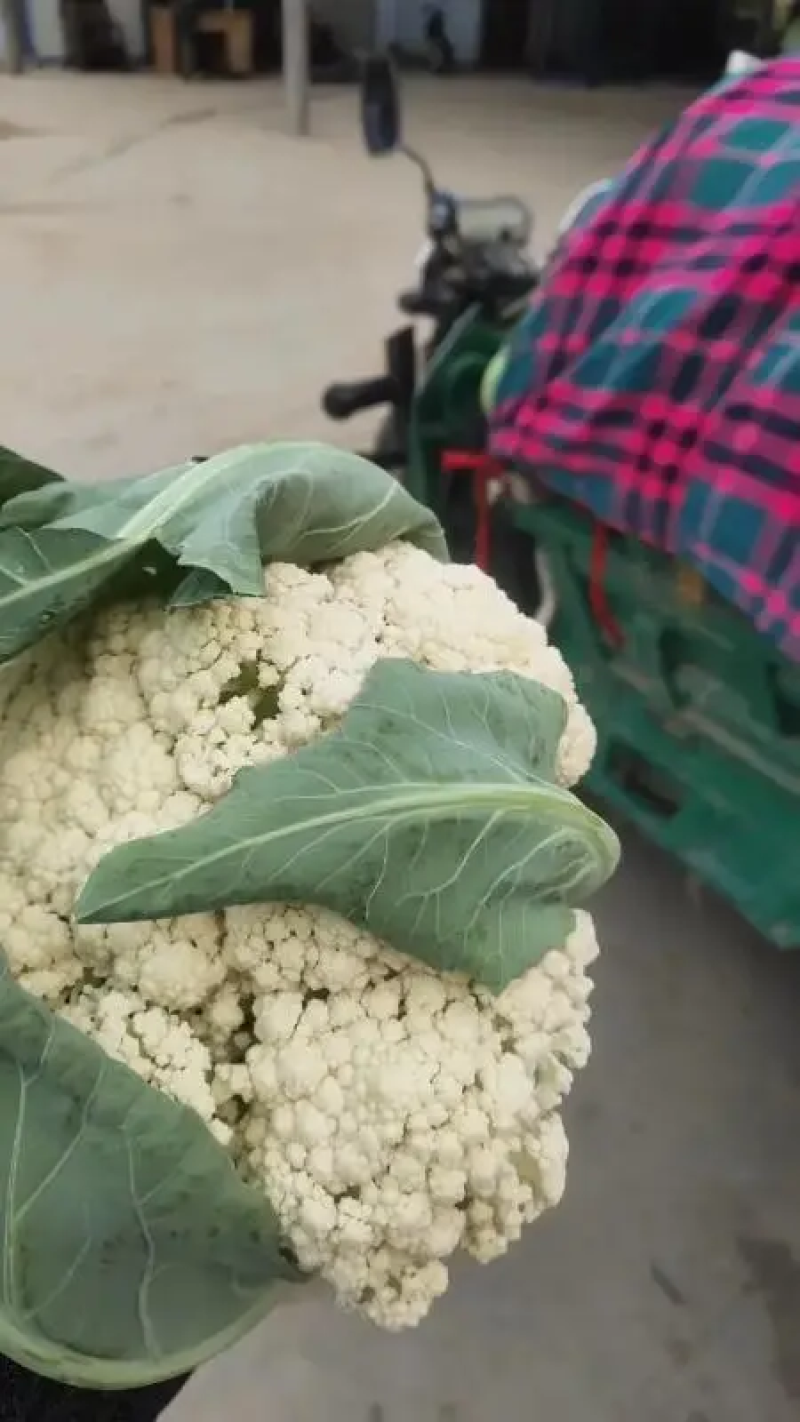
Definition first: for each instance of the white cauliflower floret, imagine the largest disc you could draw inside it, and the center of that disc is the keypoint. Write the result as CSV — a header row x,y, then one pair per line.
x,y
153,1043
411,1143
462,622
392,1115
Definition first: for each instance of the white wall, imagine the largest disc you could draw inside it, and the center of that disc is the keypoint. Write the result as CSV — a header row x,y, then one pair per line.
x,y
403,22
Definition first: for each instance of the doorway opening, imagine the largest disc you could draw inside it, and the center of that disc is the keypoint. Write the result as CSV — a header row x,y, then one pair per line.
x,y
609,41
506,30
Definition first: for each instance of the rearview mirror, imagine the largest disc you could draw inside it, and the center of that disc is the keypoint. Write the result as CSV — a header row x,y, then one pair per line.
x,y
381,123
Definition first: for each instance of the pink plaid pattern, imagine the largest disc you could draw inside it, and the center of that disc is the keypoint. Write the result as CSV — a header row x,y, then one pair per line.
x,y
656,378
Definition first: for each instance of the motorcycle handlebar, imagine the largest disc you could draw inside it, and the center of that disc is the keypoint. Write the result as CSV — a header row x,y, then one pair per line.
x,y
421,303
341,402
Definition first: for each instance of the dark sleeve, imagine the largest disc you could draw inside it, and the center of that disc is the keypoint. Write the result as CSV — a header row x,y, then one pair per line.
x,y
24,1397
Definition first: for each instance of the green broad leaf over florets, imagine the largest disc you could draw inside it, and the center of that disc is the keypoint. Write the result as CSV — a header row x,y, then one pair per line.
x,y
430,818
188,534
130,1249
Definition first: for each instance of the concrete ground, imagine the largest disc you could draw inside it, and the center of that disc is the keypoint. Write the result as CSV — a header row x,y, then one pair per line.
x,y
177,275
180,276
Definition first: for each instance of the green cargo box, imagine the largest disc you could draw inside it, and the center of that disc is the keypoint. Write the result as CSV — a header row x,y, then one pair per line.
x,y
698,716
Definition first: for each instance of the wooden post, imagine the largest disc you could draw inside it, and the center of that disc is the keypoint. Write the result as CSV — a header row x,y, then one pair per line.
x,y
296,77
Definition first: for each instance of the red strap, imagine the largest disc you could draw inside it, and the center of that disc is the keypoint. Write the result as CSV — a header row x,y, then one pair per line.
x,y
482,468
598,601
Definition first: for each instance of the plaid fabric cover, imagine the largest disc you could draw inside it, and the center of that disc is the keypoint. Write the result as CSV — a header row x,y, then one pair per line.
x,y
656,378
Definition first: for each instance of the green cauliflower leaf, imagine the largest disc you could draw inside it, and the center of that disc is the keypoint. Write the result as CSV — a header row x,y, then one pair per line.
x,y
431,818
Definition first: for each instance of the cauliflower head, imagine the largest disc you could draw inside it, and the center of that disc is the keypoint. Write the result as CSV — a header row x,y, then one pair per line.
x,y
392,1114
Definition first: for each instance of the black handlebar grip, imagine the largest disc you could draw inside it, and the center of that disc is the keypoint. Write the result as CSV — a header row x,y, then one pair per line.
x,y
340,402
413,303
